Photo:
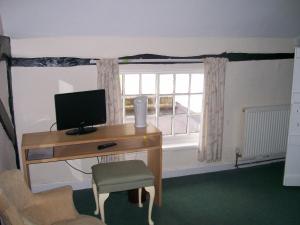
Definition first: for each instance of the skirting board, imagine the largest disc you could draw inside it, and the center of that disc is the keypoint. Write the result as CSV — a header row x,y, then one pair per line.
x,y
83,184
198,170
178,172
291,180
76,185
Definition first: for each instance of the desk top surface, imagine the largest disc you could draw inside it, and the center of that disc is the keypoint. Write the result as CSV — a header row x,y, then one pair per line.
x,y
103,133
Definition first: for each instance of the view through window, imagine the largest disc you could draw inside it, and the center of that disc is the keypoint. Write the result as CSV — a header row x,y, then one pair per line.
x,y
174,99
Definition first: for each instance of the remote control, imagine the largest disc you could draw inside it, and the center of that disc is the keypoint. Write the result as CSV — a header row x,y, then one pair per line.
x,y
106,145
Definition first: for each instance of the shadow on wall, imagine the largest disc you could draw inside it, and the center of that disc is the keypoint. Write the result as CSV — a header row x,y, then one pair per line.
x,y
1,27
7,133
297,41
7,153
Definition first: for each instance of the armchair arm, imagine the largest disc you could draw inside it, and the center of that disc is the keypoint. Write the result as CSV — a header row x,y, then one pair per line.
x,y
51,206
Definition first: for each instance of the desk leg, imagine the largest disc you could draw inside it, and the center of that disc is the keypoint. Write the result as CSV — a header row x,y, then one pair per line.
x,y
155,164
25,168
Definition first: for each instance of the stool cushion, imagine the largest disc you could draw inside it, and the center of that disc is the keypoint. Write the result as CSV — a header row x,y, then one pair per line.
x,y
121,176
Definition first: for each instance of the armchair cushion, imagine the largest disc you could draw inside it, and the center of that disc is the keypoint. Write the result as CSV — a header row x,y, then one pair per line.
x,y
27,221
9,212
18,206
51,206
12,183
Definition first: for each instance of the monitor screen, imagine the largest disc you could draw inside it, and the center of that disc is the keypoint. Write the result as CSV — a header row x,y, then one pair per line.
x,y
80,109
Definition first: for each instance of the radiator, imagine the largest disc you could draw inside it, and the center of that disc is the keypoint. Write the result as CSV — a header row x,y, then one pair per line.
x,y
265,131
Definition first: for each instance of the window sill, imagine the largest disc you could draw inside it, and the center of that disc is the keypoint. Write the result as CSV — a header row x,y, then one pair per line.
x,y
180,142
181,147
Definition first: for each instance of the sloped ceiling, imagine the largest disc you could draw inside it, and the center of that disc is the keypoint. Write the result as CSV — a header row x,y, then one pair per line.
x,y
151,18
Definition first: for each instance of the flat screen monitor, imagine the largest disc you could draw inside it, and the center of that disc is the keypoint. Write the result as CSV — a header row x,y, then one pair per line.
x,y
80,110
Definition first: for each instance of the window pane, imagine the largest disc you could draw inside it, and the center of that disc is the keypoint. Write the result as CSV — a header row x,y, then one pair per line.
x,y
166,84
182,83
129,106
131,84
181,104
197,80
166,105
195,123
185,97
180,124
121,82
151,120
148,83
196,104
129,119
151,105
165,124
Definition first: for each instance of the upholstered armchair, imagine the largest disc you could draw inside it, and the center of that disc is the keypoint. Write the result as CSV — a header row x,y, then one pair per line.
x,y
19,206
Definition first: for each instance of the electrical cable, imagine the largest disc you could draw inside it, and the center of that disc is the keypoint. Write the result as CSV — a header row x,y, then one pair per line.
x,y
52,126
77,168
69,164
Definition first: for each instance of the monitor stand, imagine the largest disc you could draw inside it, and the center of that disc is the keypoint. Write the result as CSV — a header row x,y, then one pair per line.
x,y
81,130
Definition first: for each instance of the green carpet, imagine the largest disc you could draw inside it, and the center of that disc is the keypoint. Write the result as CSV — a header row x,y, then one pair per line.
x,y
249,196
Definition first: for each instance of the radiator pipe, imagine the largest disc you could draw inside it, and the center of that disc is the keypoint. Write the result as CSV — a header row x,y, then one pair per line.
x,y
261,161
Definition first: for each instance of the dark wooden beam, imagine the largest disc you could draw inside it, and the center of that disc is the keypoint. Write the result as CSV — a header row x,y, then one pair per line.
x,y
72,61
8,122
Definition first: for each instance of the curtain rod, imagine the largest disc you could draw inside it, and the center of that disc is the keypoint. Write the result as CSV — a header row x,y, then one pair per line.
x,y
152,61
144,59
232,56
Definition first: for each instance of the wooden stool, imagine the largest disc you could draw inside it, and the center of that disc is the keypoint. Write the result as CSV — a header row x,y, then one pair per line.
x,y
121,176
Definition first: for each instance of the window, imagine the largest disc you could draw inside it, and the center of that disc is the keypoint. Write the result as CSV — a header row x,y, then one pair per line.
x,y
174,96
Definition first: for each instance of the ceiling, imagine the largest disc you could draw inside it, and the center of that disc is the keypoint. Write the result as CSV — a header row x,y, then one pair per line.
x,y
151,18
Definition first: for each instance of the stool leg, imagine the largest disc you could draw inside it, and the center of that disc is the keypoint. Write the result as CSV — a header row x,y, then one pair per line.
x,y
102,198
96,212
151,192
140,198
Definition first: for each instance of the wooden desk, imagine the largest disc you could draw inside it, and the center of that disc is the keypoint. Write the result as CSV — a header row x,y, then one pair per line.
x,y
66,147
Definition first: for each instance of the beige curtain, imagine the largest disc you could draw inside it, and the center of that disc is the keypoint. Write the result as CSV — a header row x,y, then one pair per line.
x,y
108,79
210,142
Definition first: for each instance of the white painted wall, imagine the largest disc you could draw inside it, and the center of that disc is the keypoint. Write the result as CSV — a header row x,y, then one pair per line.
x,y
123,46
33,90
297,41
252,83
247,84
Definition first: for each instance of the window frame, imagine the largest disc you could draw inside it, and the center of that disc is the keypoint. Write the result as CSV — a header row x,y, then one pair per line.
x,y
159,70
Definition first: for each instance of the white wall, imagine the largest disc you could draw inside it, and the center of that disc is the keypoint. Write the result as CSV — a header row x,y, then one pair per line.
x,y
253,83
33,90
297,41
122,46
247,84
